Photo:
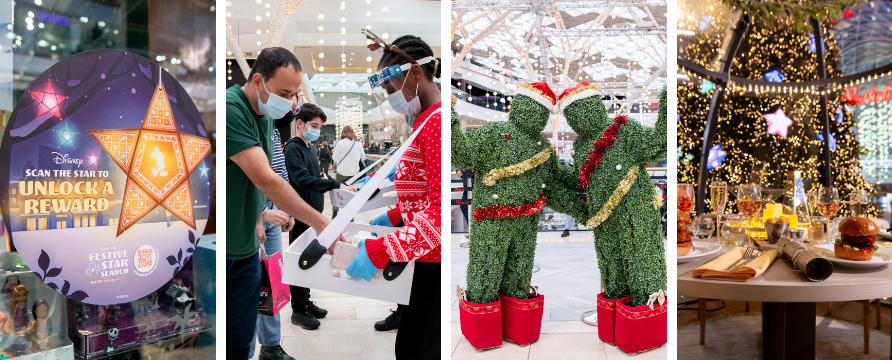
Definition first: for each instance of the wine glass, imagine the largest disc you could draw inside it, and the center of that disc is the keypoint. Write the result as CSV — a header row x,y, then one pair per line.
x,y
718,194
749,201
828,202
733,231
858,201
685,201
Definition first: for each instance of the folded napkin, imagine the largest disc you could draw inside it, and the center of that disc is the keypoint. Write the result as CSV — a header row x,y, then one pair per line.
x,y
715,269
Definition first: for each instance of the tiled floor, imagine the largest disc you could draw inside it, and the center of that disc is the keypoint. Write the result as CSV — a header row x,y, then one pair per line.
x,y
347,332
568,275
570,280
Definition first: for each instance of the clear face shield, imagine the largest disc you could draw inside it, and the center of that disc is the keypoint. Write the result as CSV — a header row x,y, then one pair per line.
x,y
391,86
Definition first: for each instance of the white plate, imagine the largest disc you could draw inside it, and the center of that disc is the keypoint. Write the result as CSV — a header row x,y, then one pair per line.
x,y
701,249
885,234
881,257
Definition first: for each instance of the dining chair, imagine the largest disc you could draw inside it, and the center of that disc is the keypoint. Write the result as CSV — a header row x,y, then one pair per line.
x,y
866,319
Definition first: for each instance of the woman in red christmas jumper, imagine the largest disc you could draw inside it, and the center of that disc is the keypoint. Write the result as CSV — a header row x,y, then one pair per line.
x,y
417,180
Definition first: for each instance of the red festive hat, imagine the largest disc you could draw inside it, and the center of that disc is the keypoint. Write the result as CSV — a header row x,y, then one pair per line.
x,y
540,92
581,91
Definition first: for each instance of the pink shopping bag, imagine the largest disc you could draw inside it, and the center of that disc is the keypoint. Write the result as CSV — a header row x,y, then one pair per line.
x,y
274,294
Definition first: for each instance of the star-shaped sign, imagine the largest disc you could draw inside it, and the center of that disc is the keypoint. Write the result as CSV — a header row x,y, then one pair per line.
x,y
832,140
48,100
706,86
66,135
778,123
92,159
775,76
716,156
204,170
158,160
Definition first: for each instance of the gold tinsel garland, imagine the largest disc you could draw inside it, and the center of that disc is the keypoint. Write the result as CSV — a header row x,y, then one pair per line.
x,y
614,198
490,178
658,198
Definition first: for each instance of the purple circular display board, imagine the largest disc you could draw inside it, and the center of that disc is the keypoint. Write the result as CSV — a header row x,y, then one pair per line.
x,y
109,176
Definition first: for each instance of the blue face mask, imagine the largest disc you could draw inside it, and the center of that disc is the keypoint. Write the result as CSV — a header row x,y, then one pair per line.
x,y
312,134
398,102
276,106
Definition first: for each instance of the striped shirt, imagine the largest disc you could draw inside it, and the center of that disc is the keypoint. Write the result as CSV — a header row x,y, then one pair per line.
x,y
278,156
278,163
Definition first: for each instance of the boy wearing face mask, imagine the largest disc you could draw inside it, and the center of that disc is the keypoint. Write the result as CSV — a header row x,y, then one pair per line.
x,y
311,184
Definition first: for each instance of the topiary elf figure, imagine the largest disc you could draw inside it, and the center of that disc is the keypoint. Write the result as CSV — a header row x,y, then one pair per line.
x,y
518,174
622,202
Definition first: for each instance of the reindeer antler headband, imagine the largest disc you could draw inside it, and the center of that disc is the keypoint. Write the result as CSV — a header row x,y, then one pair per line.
x,y
378,46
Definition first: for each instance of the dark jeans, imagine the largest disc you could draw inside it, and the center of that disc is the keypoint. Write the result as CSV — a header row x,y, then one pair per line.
x,y
299,295
242,303
419,333
464,208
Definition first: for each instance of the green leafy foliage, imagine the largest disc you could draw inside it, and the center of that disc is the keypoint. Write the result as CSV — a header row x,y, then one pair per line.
x,y
631,254
502,249
799,12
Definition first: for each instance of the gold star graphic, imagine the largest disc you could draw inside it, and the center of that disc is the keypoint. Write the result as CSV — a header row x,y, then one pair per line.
x,y
158,160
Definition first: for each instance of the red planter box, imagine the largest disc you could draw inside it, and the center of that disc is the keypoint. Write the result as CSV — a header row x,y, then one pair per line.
x,y
481,324
607,318
640,328
522,319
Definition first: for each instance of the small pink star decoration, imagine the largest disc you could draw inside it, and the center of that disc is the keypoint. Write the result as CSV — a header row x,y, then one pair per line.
x,y
49,100
778,123
92,159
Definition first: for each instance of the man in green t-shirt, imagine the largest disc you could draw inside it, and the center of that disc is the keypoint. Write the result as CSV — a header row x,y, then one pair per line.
x,y
250,111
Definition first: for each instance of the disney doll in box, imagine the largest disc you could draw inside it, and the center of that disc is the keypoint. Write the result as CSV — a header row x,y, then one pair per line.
x,y
18,308
9,287
39,329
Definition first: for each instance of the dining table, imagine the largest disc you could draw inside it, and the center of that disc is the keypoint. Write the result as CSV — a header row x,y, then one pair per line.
x,y
788,299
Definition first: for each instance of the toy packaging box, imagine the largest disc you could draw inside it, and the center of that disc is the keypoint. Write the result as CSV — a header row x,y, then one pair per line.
x,y
32,315
170,312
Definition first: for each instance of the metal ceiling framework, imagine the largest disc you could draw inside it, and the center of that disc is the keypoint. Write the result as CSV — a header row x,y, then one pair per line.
x,y
618,44
864,36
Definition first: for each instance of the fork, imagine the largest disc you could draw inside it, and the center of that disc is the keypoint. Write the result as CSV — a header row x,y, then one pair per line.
x,y
755,254
747,253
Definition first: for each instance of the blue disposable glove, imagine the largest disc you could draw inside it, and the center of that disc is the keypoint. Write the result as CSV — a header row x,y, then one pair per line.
x,y
363,180
361,267
382,220
392,174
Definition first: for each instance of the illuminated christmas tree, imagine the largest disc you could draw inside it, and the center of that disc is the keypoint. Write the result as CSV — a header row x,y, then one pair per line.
x,y
782,129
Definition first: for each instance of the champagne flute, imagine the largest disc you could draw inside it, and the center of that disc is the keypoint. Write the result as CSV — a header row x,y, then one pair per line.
x,y
718,193
858,198
749,201
828,202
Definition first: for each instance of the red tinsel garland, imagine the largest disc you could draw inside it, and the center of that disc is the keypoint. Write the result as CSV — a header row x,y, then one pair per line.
x,y
600,148
500,211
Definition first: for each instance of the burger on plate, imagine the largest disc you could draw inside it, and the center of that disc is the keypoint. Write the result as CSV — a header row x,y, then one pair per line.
x,y
858,237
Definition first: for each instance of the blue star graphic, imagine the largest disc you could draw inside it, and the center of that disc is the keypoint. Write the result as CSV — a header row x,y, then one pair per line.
x,y
832,140
716,156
